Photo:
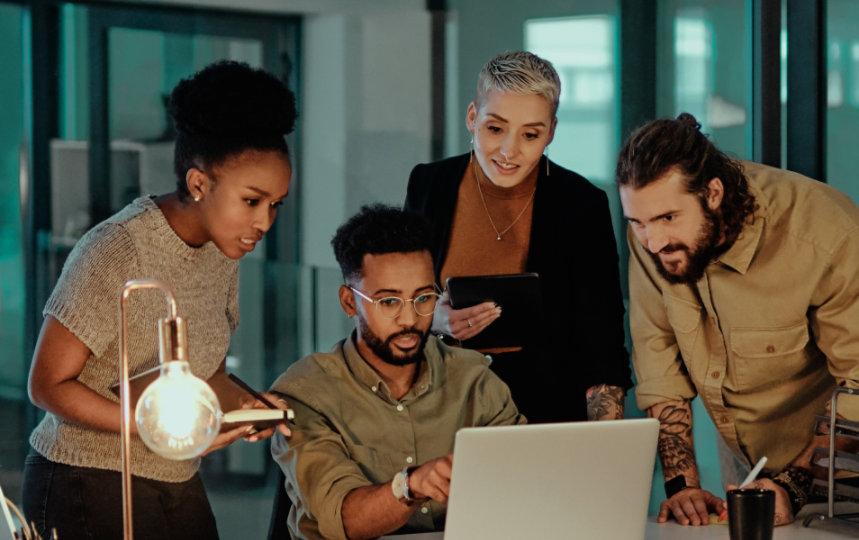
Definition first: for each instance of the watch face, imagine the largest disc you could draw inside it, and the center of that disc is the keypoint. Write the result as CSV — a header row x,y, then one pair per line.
x,y
398,486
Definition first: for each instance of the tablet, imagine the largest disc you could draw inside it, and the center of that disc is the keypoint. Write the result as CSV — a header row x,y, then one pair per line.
x,y
520,301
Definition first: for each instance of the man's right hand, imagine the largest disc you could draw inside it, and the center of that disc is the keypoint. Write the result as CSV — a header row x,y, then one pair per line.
x,y
691,506
432,479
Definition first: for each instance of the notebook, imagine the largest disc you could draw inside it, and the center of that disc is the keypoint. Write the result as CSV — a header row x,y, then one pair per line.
x,y
552,481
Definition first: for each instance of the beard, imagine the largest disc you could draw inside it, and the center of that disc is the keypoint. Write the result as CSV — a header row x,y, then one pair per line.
x,y
384,349
698,257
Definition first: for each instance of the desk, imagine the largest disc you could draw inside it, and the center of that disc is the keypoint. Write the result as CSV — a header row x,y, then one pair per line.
x,y
828,530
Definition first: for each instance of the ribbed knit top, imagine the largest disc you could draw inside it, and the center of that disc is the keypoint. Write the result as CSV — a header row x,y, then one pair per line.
x,y
473,249
136,243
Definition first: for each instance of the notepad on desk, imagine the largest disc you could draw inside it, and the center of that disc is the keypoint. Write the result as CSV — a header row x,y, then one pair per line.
x,y
234,396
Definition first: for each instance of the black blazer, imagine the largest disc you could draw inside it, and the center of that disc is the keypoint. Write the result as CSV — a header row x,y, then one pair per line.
x,y
573,249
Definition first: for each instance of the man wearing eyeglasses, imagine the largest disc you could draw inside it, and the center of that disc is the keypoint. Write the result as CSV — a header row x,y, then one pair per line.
x,y
370,451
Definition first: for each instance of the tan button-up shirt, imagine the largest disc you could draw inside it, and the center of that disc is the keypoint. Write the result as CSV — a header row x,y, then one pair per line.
x,y
768,331
349,432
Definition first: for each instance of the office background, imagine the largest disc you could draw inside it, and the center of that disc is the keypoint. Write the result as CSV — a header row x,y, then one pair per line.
x,y
382,85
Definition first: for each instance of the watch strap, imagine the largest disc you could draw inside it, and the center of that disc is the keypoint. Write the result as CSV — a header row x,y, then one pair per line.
x,y
675,485
400,487
409,497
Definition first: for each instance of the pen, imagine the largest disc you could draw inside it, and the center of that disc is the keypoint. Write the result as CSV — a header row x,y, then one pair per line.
x,y
754,472
251,391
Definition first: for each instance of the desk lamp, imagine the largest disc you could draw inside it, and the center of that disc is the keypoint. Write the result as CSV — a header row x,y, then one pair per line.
x,y
178,415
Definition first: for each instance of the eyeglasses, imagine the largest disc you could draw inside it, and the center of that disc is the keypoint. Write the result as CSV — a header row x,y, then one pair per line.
x,y
391,306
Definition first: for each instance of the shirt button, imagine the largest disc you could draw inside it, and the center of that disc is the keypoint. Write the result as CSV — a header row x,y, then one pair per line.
x,y
424,509
715,374
410,459
399,407
374,389
770,349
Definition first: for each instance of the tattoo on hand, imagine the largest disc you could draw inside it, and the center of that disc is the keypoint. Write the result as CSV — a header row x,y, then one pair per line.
x,y
675,447
605,402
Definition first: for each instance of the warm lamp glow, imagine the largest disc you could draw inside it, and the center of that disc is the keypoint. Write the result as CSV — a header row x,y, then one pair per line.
x,y
178,414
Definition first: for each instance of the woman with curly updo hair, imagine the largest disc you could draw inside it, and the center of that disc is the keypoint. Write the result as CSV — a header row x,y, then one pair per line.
x,y
233,172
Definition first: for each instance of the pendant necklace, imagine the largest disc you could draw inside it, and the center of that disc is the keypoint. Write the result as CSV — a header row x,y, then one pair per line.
x,y
485,207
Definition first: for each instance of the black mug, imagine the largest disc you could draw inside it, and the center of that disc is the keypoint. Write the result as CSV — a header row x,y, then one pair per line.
x,y
751,513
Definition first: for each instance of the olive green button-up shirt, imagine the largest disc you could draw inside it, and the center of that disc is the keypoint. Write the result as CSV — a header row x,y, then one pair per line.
x,y
349,432
768,331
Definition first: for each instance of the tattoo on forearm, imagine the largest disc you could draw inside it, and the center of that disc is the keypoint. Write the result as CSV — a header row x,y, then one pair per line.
x,y
605,402
675,447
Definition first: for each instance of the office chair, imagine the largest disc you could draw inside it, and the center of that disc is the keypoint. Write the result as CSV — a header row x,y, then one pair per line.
x,y
277,529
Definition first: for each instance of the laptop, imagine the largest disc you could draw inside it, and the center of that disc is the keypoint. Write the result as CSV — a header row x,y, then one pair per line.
x,y
7,526
552,481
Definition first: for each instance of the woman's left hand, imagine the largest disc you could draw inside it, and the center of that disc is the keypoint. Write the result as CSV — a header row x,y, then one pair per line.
x,y
462,323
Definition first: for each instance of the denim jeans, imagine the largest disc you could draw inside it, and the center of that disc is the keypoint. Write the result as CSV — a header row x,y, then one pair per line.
x,y
86,503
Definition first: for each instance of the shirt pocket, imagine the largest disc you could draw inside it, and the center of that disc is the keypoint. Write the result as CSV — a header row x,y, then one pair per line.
x,y
765,356
685,320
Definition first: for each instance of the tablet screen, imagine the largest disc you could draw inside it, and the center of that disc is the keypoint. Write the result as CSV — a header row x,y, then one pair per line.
x,y
520,301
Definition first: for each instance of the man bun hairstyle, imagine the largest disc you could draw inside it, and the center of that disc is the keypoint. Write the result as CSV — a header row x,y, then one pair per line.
x,y
655,149
519,72
378,229
225,109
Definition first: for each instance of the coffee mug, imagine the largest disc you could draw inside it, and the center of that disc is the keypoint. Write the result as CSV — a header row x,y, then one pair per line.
x,y
751,513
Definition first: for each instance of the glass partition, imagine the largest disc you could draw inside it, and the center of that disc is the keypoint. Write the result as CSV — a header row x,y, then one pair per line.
x,y
703,54
582,49
842,111
14,23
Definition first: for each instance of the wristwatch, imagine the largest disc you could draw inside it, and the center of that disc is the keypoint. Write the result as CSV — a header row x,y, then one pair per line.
x,y
400,487
675,485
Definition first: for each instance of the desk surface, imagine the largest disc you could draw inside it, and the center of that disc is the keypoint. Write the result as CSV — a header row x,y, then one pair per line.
x,y
817,530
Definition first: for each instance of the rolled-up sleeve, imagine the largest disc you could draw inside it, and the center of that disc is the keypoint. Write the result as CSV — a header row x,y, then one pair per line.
x,y
659,370
319,471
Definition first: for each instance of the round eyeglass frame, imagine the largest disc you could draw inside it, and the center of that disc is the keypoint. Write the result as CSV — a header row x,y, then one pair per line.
x,y
401,303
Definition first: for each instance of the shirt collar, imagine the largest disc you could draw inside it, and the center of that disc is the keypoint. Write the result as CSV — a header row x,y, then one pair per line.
x,y
369,377
739,256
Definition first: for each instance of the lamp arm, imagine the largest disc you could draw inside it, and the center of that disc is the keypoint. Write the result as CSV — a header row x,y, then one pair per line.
x,y
125,393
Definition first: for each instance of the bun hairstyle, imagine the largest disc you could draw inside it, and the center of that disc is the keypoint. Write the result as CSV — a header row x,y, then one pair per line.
x,y
225,109
654,149
689,121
